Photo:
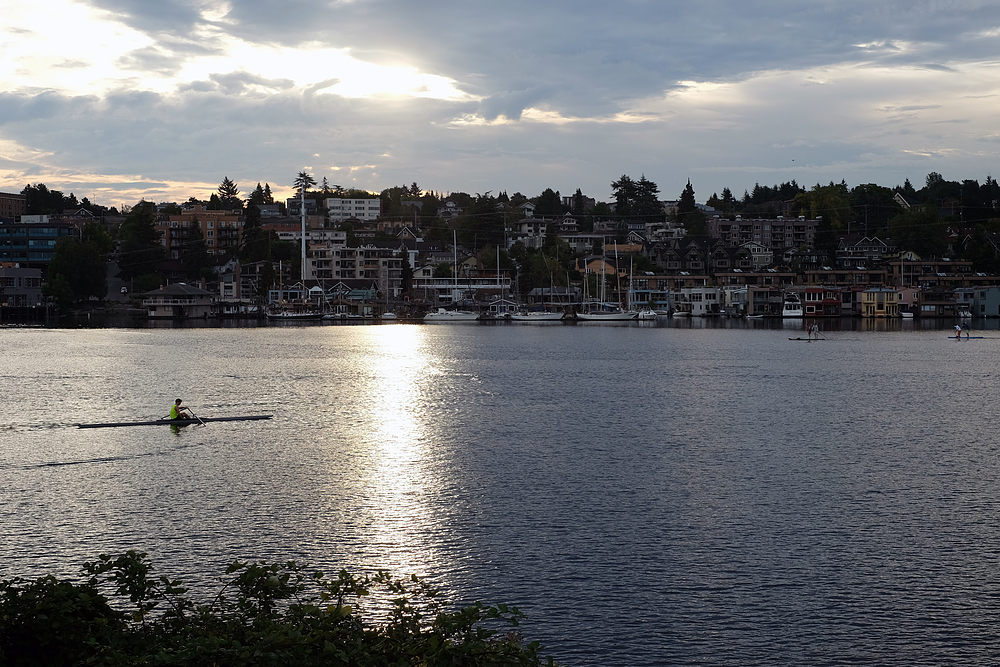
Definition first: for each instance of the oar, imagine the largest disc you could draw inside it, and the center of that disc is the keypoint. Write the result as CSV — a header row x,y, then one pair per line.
x,y
196,416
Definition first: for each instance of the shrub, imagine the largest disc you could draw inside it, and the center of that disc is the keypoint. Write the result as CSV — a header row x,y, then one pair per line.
x,y
265,614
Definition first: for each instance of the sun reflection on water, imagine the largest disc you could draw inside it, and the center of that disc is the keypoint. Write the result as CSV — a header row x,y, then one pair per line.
x,y
401,478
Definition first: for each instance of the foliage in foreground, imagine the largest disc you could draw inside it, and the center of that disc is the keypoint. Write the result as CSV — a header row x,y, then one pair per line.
x,y
266,614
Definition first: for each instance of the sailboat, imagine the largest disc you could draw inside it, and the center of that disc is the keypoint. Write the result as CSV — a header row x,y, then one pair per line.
x,y
608,312
539,315
444,316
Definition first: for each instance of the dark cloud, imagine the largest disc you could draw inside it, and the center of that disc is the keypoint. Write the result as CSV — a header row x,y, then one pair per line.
x,y
584,57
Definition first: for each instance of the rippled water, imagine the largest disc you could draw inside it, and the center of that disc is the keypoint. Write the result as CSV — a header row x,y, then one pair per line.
x,y
648,496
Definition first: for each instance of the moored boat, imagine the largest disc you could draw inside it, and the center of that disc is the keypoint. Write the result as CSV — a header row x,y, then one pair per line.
x,y
442,316
792,305
536,316
289,316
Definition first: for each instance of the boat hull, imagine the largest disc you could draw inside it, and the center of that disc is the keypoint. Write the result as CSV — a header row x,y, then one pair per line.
x,y
606,317
450,316
176,422
536,317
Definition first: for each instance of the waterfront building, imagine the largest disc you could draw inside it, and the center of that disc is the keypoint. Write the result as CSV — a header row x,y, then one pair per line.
x,y
179,301
481,285
698,301
986,302
822,301
880,302
937,301
850,277
910,269
20,287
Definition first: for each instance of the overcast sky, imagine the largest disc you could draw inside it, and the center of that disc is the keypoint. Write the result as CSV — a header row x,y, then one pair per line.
x,y
123,99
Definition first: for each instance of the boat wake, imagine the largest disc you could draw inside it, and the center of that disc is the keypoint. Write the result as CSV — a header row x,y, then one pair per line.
x,y
97,460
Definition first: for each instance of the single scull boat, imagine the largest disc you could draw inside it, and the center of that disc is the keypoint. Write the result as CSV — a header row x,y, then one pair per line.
x,y
176,422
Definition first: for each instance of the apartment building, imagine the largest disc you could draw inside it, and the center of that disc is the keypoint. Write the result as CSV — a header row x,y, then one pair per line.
x,y
221,230
12,205
362,209
778,234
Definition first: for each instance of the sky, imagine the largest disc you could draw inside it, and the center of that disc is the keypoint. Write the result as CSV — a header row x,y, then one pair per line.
x,y
119,100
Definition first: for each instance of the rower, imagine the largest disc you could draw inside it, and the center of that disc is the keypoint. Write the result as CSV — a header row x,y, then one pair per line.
x,y
178,411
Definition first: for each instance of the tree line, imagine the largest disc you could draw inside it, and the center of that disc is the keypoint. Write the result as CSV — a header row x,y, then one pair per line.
x,y
920,225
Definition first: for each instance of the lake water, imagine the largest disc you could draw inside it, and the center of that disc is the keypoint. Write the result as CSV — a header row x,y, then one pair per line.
x,y
697,493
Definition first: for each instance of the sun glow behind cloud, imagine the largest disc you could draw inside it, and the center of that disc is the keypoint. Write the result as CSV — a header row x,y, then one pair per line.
x,y
77,50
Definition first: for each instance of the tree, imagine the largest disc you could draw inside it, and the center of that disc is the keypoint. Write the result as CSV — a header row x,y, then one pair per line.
x,y
257,196
873,207
578,203
637,198
140,242
39,200
549,204
303,182
482,223
194,252
255,241
686,203
229,195
405,274
688,214
80,266
647,200
623,191
921,230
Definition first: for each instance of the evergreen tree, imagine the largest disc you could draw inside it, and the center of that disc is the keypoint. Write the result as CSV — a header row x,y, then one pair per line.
x,y
268,199
39,200
257,196
686,203
647,200
229,196
624,192
80,267
140,242
254,240
194,252
549,204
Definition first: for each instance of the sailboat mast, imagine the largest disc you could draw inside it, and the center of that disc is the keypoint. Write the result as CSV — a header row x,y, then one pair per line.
x,y
619,275
302,195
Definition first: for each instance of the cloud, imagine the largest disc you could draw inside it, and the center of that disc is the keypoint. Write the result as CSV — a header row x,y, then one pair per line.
x,y
479,96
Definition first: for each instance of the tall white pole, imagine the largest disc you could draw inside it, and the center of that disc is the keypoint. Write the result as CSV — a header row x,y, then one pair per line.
x,y
303,271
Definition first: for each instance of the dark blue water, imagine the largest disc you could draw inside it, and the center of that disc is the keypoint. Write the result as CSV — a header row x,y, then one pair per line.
x,y
648,496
